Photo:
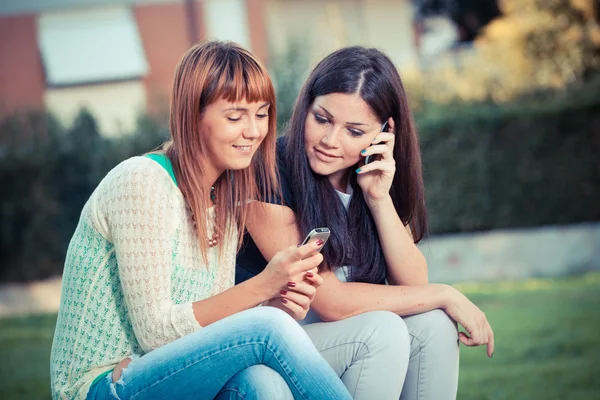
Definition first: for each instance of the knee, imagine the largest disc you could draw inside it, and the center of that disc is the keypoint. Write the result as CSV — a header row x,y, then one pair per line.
x,y
277,324
388,332
433,327
272,317
256,382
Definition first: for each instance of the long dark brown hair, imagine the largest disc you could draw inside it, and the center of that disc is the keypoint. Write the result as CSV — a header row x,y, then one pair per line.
x,y
210,71
354,239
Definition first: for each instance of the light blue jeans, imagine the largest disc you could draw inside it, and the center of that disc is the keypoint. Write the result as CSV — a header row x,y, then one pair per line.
x,y
379,355
434,357
223,361
369,352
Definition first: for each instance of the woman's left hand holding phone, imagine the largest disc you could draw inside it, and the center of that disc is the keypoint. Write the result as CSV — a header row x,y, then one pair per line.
x,y
302,279
375,178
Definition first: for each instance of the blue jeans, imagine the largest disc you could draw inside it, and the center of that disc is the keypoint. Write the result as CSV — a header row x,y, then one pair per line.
x,y
256,382
218,359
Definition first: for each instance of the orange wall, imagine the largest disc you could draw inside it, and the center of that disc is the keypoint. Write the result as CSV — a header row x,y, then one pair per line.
x,y
165,36
21,74
258,33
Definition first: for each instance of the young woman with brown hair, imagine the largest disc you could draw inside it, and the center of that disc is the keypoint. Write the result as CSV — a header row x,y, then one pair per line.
x,y
353,106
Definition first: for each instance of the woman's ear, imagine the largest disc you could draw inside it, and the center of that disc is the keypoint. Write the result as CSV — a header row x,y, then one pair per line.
x,y
390,125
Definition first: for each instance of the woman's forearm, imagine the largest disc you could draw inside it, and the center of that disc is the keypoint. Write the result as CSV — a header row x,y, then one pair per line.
x,y
239,298
405,262
340,300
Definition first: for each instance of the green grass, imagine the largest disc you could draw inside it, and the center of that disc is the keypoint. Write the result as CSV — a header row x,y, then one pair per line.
x,y
547,344
25,357
547,336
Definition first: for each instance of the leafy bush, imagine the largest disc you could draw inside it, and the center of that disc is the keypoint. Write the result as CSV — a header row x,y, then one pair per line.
x,y
289,70
490,167
534,46
47,174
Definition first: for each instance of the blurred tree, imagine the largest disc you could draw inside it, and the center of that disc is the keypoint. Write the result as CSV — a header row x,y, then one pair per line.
x,y
47,173
85,125
542,43
534,48
288,71
470,16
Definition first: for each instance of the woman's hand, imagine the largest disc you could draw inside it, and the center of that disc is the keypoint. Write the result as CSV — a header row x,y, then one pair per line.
x,y
463,311
289,266
296,299
375,179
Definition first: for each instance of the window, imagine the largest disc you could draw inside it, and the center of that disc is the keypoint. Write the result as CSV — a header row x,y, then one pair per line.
x,y
90,46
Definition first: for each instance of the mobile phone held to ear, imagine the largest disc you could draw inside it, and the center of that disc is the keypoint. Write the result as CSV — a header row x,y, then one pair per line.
x,y
316,234
371,158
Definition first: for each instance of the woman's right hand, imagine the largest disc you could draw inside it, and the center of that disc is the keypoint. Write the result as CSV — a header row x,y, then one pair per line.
x,y
289,264
297,298
463,311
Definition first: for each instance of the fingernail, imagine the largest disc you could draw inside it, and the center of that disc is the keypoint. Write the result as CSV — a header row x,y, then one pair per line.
x,y
283,300
310,274
298,245
283,292
363,151
357,170
291,284
320,242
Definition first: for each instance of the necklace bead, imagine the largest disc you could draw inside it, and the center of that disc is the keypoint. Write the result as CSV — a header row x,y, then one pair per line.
x,y
212,241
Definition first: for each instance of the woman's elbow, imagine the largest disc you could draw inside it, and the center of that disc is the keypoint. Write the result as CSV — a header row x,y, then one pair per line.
x,y
422,276
425,270
418,275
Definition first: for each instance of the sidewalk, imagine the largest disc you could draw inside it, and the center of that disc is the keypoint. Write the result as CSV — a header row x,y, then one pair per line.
x,y
28,298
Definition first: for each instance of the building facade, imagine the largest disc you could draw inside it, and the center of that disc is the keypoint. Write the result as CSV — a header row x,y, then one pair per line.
x,y
117,57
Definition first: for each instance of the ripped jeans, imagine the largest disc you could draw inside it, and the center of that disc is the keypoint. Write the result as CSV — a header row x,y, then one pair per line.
x,y
215,361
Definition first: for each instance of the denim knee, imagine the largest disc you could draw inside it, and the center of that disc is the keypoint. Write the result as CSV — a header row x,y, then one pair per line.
x,y
433,328
279,325
440,325
389,332
258,382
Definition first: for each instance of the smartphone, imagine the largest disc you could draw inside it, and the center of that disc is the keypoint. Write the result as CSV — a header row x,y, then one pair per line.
x,y
316,234
371,158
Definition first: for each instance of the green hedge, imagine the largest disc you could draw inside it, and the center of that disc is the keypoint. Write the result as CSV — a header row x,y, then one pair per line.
x,y
518,166
47,173
485,168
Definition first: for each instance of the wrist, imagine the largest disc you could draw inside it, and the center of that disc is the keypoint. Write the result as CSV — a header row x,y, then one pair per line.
x,y
447,296
376,204
262,287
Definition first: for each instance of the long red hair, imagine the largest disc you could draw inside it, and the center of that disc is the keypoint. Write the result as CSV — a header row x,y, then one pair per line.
x,y
210,71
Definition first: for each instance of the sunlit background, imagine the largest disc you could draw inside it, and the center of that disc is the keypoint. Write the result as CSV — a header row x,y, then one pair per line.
x,y
507,99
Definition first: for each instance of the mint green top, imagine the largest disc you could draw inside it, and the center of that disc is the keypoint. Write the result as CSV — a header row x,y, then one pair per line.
x,y
133,269
165,162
